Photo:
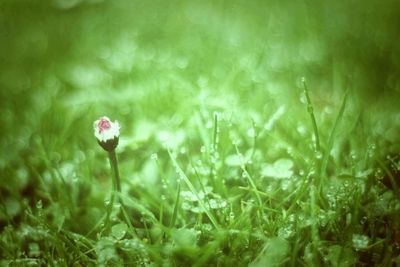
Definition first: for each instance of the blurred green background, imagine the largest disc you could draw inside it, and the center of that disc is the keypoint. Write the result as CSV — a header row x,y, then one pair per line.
x,y
152,64
149,59
138,60
162,69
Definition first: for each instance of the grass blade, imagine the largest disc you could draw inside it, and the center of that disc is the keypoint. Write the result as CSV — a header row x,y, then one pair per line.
x,y
176,206
332,137
193,190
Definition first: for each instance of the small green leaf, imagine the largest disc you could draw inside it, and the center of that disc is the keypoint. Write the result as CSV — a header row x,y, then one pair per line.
x,y
184,237
282,168
274,253
119,230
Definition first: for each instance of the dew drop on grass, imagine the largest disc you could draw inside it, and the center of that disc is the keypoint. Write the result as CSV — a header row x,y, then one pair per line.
x,y
154,156
360,241
231,216
183,150
285,184
301,129
285,232
318,154
363,220
39,204
203,149
378,174
303,99
371,150
372,147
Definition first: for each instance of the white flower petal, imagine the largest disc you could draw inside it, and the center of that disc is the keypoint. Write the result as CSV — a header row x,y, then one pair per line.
x,y
105,134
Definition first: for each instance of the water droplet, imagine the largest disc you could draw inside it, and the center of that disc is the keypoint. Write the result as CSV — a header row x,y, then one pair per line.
x,y
301,129
202,149
318,154
360,241
285,184
303,99
75,179
363,220
39,204
372,147
378,174
154,156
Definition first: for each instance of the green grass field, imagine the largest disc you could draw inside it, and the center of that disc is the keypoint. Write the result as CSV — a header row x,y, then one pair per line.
x,y
253,133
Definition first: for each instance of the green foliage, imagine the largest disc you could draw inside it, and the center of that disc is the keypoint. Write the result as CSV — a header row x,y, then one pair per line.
x,y
217,152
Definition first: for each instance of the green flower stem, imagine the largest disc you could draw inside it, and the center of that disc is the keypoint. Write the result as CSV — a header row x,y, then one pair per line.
x,y
116,184
116,196
114,167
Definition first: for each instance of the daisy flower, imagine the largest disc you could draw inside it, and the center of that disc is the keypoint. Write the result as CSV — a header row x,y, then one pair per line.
x,y
107,133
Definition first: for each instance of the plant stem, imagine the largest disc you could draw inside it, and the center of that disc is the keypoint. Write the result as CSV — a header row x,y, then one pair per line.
x,y
116,185
117,190
114,167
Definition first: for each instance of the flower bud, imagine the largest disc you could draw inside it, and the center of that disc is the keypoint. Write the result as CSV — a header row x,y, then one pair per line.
x,y
107,133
